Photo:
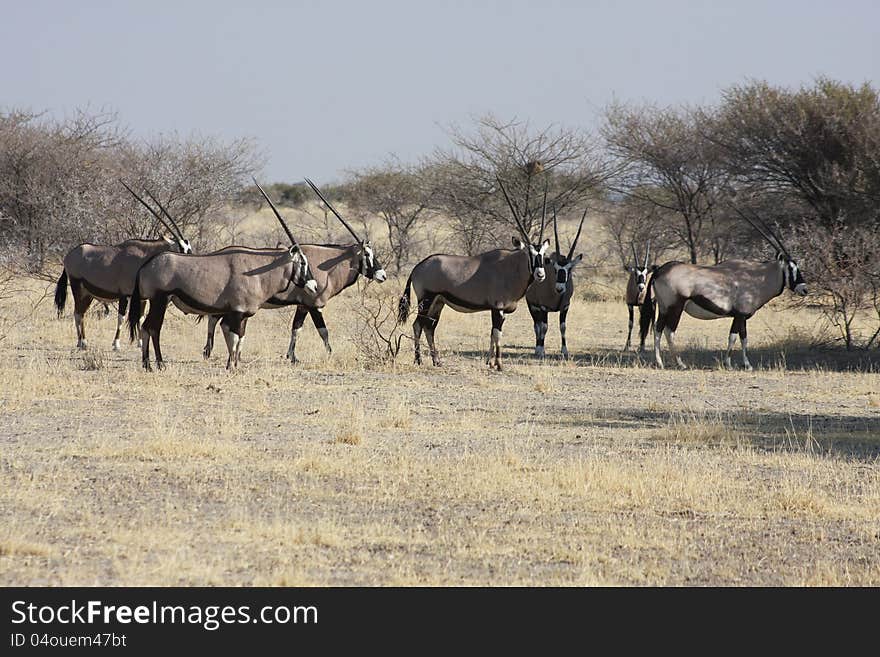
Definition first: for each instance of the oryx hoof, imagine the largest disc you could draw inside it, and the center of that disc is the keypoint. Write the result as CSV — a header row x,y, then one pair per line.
x,y
539,353
294,360
206,353
160,364
436,362
116,345
565,355
82,345
681,365
417,360
748,367
148,367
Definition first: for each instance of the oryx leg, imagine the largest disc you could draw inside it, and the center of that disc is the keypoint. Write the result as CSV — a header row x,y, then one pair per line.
x,y
232,331
645,319
673,317
418,324
209,342
629,335
495,342
81,302
298,319
151,329
539,317
744,341
120,318
317,315
429,323
731,341
562,315
241,333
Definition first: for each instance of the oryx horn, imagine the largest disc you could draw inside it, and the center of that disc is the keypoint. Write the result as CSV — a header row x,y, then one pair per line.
x,y
556,230
632,245
333,210
165,212
578,234
764,232
144,203
513,210
277,214
647,253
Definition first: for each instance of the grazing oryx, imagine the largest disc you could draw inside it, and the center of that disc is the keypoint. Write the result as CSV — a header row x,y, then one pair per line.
x,y
107,273
233,283
735,288
636,288
554,294
335,267
494,281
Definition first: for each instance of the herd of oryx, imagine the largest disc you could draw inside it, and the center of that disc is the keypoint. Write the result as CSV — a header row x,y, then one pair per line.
x,y
230,285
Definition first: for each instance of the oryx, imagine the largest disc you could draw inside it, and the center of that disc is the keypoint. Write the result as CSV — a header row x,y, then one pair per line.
x,y
636,288
335,268
233,284
493,281
107,273
553,294
735,288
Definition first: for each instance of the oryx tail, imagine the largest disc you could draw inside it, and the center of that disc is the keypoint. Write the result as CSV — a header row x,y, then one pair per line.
x,y
61,292
134,308
403,305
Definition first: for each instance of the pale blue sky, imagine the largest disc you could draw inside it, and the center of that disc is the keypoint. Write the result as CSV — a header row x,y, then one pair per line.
x,y
328,86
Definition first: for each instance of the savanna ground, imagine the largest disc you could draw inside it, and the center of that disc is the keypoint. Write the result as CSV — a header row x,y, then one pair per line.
x,y
598,471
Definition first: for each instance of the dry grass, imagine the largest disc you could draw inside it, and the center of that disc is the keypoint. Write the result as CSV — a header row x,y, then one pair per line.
x,y
597,471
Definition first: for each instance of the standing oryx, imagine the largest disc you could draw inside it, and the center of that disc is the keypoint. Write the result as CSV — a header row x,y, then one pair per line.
x,y
107,273
233,283
554,294
494,281
636,288
335,267
735,288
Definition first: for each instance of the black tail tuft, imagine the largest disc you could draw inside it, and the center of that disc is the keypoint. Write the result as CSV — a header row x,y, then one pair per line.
x,y
404,303
61,292
646,313
134,310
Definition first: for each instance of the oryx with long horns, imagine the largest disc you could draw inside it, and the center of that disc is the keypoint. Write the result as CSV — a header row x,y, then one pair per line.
x,y
335,267
735,288
232,284
493,281
636,288
553,294
107,273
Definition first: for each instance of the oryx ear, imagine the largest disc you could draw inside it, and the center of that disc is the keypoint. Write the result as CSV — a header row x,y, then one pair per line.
x,y
780,256
293,250
169,240
580,256
628,269
279,245
517,244
654,268
545,245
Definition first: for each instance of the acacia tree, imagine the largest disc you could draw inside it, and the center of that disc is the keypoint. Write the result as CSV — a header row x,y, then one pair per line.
x,y
464,178
397,193
59,183
665,160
